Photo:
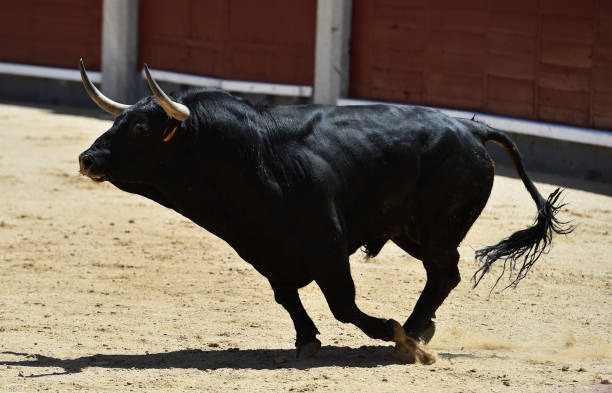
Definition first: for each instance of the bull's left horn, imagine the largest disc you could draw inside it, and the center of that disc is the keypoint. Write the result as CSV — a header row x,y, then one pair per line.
x,y
110,106
174,109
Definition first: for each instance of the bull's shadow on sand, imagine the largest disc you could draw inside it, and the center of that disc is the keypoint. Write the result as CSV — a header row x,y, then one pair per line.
x,y
257,359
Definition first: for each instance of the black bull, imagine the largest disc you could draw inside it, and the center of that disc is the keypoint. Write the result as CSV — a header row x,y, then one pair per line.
x,y
295,190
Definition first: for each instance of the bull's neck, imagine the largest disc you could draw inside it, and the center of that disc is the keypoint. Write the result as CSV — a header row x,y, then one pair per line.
x,y
218,184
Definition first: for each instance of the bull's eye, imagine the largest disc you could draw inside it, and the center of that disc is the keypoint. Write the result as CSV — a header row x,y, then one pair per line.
x,y
140,129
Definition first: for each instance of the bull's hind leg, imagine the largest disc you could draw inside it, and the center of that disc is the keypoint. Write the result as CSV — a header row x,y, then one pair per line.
x,y
337,285
442,233
306,342
442,277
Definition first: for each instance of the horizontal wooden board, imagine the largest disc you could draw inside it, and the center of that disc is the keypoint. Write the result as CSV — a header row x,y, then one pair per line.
x,y
561,115
457,41
512,44
573,100
568,29
584,8
602,78
602,102
604,30
602,122
522,6
463,4
510,89
506,107
564,78
453,89
514,23
465,20
440,61
568,54
511,66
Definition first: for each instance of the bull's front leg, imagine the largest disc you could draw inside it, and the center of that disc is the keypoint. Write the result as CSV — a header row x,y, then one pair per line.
x,y
306,342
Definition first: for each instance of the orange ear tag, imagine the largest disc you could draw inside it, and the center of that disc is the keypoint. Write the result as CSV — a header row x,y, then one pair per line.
x,y
170,135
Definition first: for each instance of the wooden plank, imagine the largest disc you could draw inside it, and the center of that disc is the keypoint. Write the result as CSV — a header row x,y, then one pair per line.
x,y
457,42
408,60
512,45
408,84
506,107
602,102
521,6
447,62
455,91
402,14
564,78
604,29
510,89
605,8
577,101
573,8
562,115
510,66
602,78
210,21
463,4
602,122
568,29
514,23
468,20
563,53
397,37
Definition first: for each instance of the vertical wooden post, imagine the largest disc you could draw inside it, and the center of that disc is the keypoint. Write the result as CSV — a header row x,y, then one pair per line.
x,y
332,50
120,78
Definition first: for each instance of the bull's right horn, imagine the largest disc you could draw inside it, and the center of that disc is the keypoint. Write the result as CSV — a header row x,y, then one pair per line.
x,y
108,105
174,109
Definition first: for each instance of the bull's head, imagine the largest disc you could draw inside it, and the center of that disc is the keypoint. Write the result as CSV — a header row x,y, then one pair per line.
x,y
139,130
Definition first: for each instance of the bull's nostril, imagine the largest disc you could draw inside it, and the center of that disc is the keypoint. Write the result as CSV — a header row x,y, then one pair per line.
x,y
86,163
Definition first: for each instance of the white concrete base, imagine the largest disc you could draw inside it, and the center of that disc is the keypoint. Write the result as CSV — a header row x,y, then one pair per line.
x,y
48,72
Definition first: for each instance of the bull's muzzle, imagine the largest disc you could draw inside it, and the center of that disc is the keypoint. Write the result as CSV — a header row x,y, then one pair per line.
x,y
89,167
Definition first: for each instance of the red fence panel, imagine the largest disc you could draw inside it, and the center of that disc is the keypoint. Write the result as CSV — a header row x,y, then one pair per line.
x,y
548,60
52,32
265,40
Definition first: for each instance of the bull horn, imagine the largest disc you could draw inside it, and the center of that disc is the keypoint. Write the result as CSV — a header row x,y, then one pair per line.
x,y
174,109
110,106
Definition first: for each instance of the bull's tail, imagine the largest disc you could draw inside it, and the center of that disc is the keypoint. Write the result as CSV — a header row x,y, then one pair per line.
x,y
526,245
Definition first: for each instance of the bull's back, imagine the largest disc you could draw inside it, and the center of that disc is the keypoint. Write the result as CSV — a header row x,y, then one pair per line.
x,y
369,161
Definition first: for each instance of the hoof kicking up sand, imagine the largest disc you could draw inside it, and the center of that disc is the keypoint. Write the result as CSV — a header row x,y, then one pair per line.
x,y
408,349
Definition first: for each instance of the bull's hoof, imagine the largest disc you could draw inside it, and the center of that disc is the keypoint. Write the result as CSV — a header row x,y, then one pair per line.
x,y
409,351
308,350
425,335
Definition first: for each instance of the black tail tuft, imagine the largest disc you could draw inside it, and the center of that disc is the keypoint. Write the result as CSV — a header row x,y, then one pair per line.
x,y
526,245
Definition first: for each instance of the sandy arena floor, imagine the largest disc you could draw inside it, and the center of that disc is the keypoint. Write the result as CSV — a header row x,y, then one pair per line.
x,y
101,290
